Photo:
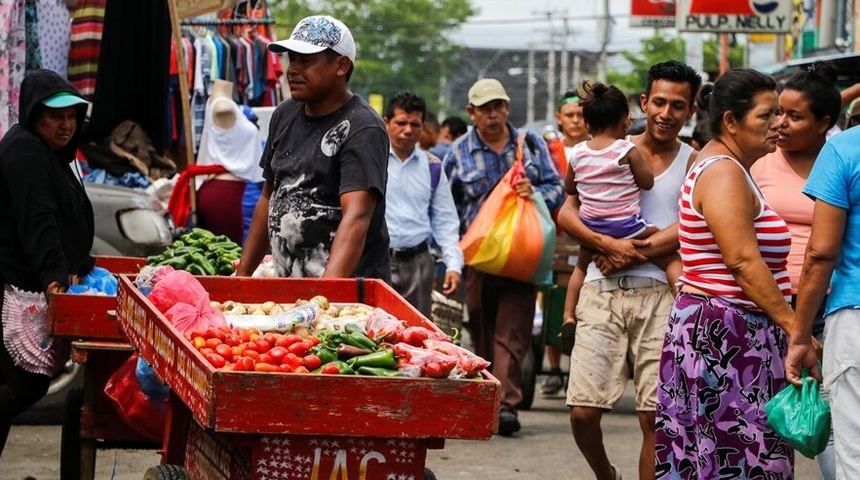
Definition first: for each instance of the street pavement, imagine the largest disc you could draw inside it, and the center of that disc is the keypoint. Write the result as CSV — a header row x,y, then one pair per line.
x,y
544,449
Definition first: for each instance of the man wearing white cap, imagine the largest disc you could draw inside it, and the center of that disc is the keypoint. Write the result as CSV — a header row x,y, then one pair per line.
x,y
322,209
501,310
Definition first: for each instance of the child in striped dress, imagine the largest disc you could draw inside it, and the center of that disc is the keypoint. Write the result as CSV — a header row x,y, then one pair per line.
x,y
607,173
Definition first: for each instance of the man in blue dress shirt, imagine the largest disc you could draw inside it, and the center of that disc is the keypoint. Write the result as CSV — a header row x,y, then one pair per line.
x,y
418,207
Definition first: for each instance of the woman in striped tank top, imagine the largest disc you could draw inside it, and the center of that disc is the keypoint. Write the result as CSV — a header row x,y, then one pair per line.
x,y
726,338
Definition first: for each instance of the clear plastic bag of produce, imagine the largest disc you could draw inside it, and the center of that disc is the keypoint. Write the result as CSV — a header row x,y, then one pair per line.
x,y
383,327
468,362
801,417
420,362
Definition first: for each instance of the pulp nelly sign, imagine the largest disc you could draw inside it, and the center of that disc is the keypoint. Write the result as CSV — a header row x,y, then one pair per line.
x,y
735,16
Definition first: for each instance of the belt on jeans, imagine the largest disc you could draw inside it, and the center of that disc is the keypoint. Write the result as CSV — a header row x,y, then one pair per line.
x,y
407,253
625,282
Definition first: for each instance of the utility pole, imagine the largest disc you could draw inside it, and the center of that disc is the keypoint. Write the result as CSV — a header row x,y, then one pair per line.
x,y
564,78
577,71
530,86
605,34
550,78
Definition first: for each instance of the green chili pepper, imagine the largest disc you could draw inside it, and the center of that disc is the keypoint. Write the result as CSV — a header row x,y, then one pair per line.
x,y
326,354
228,245
204,263
195,269
154,259
360,340
178,263
378,372
178,244
342,368
331,338
226,270
354,327
186,250
383,358
202,233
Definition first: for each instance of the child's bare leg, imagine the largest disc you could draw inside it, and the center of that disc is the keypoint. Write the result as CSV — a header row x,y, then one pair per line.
x,y
574,285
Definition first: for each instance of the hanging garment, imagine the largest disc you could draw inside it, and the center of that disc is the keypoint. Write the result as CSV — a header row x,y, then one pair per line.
x,y
33,58
12,57
85,44
55,31
133,62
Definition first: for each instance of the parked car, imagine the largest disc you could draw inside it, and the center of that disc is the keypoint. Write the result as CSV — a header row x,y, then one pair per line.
x,y
128,223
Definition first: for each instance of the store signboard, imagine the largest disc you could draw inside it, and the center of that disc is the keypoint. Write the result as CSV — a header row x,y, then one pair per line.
x,y
734,16
652,13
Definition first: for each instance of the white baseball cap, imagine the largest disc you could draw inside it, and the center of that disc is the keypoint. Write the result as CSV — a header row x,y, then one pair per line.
x,y
315,34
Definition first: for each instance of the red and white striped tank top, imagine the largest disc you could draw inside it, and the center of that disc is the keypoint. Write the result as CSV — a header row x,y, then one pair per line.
x,y
701,257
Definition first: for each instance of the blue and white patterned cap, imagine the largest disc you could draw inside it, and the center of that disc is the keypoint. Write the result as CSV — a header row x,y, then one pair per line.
x,y
315,34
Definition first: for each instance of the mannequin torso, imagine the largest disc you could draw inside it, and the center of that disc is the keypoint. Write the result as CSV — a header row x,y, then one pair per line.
x,y
223,113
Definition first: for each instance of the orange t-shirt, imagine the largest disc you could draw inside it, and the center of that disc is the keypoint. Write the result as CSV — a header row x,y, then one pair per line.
x,y
783,189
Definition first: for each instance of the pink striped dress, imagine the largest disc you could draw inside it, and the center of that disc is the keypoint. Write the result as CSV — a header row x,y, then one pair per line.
x,y
703,262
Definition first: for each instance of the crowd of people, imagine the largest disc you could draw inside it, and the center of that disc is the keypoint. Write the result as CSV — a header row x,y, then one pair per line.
x,y
711,276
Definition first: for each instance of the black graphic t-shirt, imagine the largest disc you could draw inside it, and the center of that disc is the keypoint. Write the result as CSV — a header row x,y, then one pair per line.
x,y
311,161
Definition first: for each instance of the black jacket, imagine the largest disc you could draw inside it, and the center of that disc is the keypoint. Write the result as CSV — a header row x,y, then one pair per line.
x,y
46,219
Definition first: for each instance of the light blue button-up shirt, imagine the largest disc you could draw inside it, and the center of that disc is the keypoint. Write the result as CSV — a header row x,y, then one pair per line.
x,y
413,216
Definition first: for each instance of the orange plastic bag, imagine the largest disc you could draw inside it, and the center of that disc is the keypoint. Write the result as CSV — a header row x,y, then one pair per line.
x,y
512,236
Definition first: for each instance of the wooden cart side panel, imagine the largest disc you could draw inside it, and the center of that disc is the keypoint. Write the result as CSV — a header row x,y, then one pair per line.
x,y
276,403
83,316
175,360
339,405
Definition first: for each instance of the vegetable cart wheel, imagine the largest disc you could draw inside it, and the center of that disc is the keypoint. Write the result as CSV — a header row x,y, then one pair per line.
x,y
166,472
429,475
70,436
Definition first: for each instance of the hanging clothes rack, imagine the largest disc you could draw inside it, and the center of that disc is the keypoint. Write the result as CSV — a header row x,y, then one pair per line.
x,y
227,22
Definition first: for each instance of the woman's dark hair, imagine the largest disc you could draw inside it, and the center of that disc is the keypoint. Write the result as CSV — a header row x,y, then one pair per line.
x,y
602,105
817,83
734,92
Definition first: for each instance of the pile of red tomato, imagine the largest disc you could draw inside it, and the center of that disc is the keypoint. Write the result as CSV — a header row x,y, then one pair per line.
x,y
249,350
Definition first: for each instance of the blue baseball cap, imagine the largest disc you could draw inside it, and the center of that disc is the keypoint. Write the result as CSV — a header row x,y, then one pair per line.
x,y
63,100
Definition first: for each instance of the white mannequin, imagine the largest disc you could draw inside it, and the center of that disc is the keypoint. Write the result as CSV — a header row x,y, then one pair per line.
x,y
223,113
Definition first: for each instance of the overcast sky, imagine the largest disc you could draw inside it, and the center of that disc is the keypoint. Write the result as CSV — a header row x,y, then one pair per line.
x,y
516,23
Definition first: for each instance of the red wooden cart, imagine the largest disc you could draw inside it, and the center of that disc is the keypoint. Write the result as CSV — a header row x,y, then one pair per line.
x,y
91,421
249,425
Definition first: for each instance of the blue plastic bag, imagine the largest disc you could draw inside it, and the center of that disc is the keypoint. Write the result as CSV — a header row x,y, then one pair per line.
x,y
98,281
801,417
149,382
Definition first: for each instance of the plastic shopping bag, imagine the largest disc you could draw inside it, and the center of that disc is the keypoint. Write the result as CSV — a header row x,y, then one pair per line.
x,y
801,417
512,236
99,281
185,302
147,415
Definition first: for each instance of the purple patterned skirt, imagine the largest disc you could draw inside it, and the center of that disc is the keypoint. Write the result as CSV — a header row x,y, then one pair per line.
x,y
720,365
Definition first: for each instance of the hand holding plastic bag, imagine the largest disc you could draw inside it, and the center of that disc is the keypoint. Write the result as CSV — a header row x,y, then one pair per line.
x,y
801,417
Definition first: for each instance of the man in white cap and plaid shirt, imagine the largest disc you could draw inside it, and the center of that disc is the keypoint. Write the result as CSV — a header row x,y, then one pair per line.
x,y
322,209
501,310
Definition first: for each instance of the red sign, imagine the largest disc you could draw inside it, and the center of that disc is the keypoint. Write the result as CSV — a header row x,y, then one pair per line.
x,y
732,7
652,13
652,8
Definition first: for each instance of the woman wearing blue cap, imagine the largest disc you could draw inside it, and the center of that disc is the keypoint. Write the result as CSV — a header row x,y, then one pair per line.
x,y
46,233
